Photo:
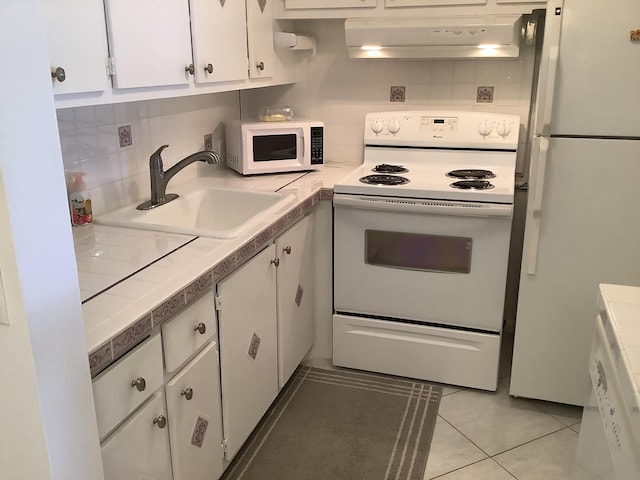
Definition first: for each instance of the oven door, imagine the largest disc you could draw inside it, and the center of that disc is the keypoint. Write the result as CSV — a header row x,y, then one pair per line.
x,y
436,262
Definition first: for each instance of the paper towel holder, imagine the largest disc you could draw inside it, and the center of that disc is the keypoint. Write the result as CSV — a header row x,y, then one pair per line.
x,y
293,41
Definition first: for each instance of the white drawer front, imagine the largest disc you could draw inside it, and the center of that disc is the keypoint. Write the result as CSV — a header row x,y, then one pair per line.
x,y
188,331
417,351
115,393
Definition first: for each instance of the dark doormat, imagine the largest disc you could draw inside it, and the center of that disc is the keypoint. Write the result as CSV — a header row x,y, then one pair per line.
x,y
342,425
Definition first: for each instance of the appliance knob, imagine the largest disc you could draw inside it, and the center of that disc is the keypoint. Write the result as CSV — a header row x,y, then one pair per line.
x,y
484,128
503,129
377,126
394,126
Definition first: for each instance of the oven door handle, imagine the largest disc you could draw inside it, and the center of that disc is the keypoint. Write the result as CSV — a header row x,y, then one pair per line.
x,y
410,205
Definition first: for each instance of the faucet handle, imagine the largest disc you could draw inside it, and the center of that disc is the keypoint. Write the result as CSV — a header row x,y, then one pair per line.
x,y
155,160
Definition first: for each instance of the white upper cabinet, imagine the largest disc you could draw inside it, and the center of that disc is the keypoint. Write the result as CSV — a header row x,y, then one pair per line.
x,y
219,40
329,3
77,49
430,3
260,38
149,42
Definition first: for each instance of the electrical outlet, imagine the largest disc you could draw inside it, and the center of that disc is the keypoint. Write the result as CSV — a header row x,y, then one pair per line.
x,y
208,142
485,95
124,135
397,94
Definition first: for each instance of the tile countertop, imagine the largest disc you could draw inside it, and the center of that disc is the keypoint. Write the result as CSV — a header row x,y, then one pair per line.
x,y
620,312
131,280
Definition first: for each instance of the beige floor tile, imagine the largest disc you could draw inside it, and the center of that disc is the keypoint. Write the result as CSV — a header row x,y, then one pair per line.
x,y
449,451
494,421
550,457
567,414
484,470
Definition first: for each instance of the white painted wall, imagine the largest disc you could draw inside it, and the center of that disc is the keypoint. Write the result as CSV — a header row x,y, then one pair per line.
x,y
46,408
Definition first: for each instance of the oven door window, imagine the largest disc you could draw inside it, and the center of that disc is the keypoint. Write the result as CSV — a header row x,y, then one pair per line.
x,y
267,148
414,251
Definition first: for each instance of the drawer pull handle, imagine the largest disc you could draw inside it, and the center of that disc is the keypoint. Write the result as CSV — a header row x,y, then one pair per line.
x,y
59,74
140,384
276,261
201,328
260,66
287,249
161,421
187,393
208,68
190,69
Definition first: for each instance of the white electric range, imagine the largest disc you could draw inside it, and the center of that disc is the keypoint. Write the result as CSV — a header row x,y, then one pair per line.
x,y
421,242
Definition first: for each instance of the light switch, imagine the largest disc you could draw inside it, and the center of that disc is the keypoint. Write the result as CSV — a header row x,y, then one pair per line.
x,y
4,316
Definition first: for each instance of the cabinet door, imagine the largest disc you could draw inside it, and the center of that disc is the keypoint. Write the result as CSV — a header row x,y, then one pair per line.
x,y
248,344
260,38
295,281
77,47
195,418
293,4
149,41
139,449
219,39
430,3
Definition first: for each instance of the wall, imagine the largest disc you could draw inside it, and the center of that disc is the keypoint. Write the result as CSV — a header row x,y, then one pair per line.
x,y
340,90
117,176
49,429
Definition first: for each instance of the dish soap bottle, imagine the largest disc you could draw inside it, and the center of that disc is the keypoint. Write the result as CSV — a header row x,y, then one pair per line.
x,y
79,201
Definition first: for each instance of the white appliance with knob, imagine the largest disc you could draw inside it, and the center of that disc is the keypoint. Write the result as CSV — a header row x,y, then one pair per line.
x,y
609,443
421,242
581,224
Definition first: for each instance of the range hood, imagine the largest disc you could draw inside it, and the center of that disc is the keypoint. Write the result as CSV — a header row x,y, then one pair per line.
x,y
433,37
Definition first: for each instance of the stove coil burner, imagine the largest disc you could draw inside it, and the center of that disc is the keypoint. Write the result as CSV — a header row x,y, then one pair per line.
x,y
384,180
386,168
471,174
472,184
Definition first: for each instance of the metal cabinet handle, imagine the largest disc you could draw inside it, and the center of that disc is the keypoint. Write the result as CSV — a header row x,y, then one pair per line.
x,y
287,249
59,74
260,66
161,421
190,69
276,261
187,393
140,384
208,68
201,328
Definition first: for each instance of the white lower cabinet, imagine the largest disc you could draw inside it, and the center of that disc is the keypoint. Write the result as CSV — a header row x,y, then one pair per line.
x,y
296,306
195,418
139,449
248,346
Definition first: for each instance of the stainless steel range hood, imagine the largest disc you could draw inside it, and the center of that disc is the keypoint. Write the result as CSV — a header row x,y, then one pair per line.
x,y
433,37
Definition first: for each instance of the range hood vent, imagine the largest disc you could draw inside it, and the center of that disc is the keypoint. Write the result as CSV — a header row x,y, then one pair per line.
x,y
433,37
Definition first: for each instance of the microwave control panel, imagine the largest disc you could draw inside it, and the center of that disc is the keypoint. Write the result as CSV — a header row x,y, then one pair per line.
x,y
317,145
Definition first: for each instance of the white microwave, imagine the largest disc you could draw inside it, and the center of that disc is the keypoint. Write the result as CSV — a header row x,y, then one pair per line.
x,y
270,147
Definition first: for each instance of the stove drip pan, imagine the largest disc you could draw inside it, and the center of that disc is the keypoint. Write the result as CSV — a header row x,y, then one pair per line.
x,y
471,174
384,180
472,185
387,168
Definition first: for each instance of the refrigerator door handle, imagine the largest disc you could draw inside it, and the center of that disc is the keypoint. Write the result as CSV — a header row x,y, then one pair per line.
x,y
548,67
539,162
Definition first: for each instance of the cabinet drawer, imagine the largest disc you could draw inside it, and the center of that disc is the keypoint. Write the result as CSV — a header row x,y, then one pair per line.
x,y
188,331
127,384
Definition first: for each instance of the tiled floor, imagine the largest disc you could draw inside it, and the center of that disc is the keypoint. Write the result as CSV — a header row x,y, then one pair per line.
x,y
492,436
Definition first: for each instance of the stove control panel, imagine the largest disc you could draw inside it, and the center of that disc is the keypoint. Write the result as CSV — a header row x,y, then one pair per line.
x,y
442,129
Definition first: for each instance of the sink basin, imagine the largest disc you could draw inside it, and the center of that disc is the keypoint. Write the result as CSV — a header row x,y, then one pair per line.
x,y
203,211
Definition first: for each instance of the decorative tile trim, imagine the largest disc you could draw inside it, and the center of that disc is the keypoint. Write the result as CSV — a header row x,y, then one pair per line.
x,y
245,252
279,226
262,238
198,287
306,206
133,335
168,308
326,194
225,267
100,359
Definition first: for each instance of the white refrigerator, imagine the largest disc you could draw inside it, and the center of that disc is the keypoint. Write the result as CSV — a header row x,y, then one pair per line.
x,y
583,212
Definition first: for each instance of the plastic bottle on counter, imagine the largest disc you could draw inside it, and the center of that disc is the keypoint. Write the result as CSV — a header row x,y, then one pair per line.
x,y
79,201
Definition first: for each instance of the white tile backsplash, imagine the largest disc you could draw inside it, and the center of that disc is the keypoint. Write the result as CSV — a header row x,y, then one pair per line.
x,y
332,88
